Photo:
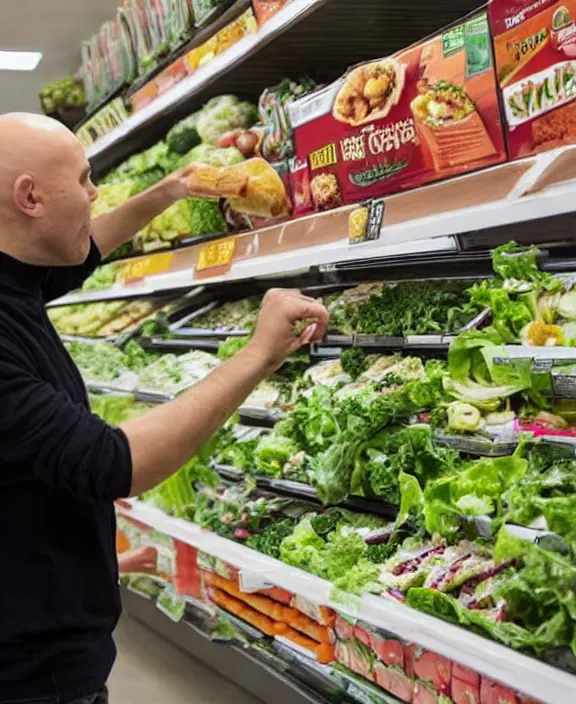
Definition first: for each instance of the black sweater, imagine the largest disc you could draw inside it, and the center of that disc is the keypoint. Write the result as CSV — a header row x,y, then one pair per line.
x,y
60,470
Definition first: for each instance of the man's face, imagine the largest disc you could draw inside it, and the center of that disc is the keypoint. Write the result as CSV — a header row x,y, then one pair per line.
x,y
66,229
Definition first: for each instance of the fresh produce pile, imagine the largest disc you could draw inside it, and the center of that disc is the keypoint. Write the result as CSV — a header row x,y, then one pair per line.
x,y
402,309
528,305
132,368
509,589
65,93
103,362
99,319
103,278
230,316
171,374
367,426
217,135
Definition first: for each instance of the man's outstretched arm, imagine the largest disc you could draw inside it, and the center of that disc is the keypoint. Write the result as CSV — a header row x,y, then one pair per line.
x,y
118,226
163,439
62,444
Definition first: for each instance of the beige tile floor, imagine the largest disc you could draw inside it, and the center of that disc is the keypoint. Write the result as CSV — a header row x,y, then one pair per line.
x,y
150,670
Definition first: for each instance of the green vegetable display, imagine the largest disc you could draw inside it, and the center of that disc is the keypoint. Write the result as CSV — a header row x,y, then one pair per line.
x,y
104,277
370,426
231,316
402,309
223,114
213,156
184,135
65,93
193,139
191,217
99,319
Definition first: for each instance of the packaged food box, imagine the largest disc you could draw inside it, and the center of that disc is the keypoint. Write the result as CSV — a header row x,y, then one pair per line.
x,y
535,56
426,113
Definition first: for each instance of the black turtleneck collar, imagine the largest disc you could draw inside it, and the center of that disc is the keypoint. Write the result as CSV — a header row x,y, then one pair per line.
x,y
21,278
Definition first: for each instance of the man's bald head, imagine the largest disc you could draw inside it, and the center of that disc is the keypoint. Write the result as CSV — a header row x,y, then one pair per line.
x,y
45,191
30,143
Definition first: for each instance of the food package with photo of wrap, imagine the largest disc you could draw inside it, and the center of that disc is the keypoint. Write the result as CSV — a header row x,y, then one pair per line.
x,y
426,113
535,56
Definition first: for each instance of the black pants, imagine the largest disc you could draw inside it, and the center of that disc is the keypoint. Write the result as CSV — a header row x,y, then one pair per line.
x,y
98,698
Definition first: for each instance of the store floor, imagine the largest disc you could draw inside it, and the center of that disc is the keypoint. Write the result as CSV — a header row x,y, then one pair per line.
x,y
150,670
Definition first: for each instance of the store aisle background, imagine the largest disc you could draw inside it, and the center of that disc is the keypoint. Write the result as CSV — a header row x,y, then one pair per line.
x,y
150,670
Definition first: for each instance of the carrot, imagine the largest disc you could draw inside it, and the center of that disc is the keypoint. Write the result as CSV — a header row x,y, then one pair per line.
x,y
311,628
325,653
278,594
327,616
299,639
236,607
122,542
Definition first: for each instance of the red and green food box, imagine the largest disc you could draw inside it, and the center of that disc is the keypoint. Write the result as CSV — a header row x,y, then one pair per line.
x,y
535,55
426,113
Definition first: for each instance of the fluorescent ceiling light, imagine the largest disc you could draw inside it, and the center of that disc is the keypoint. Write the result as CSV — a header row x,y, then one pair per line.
x,y
19,60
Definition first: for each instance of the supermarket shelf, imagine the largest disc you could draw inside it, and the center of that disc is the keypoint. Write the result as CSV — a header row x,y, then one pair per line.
x,y
421,222
493,660
299,490
198,37
239,52
286,264
114,293
143,396
315,27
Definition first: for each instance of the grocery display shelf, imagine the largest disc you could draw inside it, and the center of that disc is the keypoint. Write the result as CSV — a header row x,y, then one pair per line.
x,y
420,223
170,344
299,490
202,77
199,36
515,670
326,34
151,397
232,662
258,417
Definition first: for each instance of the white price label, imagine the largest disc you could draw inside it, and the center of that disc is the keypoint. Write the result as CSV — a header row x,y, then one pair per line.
x,y
252,581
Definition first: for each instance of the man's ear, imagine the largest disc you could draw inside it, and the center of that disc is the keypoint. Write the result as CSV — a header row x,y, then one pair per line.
x,y
26,196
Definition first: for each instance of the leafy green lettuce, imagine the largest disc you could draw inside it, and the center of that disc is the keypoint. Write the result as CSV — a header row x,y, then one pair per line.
x,y
474,490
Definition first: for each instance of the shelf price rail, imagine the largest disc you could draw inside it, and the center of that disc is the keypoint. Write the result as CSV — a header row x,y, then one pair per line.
x,y
424,221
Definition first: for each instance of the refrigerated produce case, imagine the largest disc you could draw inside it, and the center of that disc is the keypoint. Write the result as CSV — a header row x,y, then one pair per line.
x,y
389,518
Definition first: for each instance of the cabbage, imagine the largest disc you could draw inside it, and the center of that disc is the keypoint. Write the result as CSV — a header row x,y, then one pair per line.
x,y
213,156
487,398
463,417
222,114
567,305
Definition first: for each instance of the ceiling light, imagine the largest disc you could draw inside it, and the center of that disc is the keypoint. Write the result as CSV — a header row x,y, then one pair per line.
x,y
19,60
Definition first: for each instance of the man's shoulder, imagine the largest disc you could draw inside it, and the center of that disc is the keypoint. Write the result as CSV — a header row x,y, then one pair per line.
x,y
13,336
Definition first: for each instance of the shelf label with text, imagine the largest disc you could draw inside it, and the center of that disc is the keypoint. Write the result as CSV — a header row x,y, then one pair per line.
x,y
216,255
147,266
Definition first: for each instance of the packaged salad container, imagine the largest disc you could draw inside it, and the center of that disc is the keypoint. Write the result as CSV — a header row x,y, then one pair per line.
x,y
426,113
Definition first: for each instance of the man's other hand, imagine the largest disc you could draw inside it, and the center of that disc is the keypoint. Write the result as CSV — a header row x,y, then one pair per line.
x,y
274,338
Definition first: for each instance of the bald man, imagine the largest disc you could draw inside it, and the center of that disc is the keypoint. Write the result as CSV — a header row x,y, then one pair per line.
x,y
61,468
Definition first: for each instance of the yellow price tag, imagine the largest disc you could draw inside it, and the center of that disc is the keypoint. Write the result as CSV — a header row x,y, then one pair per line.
x,y
147,266
216,254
